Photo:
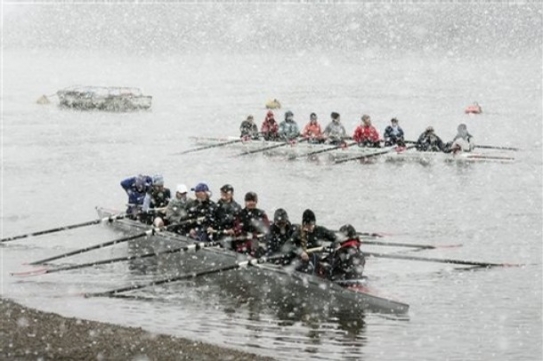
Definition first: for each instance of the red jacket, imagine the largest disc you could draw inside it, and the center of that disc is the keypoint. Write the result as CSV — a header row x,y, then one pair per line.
x,y
269,126
364,133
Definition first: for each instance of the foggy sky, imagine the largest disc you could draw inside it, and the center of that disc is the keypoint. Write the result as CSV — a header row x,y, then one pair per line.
x,y
458,27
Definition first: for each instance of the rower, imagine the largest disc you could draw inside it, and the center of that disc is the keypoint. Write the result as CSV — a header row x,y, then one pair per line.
x,y
270,128
312,130
462,142
227,211
365,134
177,207
248,128
309,236
429,141
281,231
136,188
288,129
335,133
347,261
155,201
252,224
201,214
393,134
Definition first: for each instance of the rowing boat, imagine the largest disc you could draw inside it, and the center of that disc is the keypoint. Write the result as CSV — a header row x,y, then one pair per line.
x,y
270,277
333,152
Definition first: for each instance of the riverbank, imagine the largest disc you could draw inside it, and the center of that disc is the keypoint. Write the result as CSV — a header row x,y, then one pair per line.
x,y
28,334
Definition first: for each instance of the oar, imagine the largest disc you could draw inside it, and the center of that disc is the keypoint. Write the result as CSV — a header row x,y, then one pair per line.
x,y
366,234
412,245
193,247
371,155
101,245
212,146
493,147
340,146
112,243
182,277
476,146
97,221
282,144
440,260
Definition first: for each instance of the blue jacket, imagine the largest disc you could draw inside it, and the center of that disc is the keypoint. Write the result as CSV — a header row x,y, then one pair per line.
x,y
288,130
136,188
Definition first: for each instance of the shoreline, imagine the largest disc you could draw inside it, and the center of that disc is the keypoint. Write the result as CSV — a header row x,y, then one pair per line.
x,y
29,334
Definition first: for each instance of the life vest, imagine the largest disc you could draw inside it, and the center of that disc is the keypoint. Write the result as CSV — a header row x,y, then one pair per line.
x,y
347,261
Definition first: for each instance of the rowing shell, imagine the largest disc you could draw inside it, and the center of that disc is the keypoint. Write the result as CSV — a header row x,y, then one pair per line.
x,y
269,277
300,149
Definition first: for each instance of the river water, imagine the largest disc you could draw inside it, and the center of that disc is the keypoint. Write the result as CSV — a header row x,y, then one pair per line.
x,y
58,165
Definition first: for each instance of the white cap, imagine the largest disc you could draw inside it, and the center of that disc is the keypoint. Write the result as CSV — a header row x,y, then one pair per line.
x,y
181,188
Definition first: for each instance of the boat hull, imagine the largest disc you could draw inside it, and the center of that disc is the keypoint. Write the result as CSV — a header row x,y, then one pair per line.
x,y
302,149
264,278
104,98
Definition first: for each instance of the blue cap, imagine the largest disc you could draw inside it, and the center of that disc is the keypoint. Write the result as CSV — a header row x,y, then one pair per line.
x,y
201,187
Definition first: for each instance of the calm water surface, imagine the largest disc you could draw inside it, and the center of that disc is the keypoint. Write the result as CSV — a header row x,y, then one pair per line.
x,y
58,165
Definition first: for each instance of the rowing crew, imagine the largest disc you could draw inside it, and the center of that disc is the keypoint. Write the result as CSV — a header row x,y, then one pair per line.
x,y
314,248
365,134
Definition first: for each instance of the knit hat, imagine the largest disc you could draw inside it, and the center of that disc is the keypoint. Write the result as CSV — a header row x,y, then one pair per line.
x,y
251,196
158,180
334,115
348,231
200,187
227,188
280,215
308,217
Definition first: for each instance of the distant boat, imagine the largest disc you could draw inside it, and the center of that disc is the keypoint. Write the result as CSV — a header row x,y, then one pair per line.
x,y
119,99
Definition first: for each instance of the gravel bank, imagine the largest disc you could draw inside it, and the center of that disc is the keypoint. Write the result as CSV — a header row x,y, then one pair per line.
x,y
27,334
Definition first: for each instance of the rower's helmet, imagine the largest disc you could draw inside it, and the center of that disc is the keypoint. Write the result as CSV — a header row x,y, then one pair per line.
x,y
308,217
348,231
334,115
227,188
394,120
462,127
280,215
430,129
